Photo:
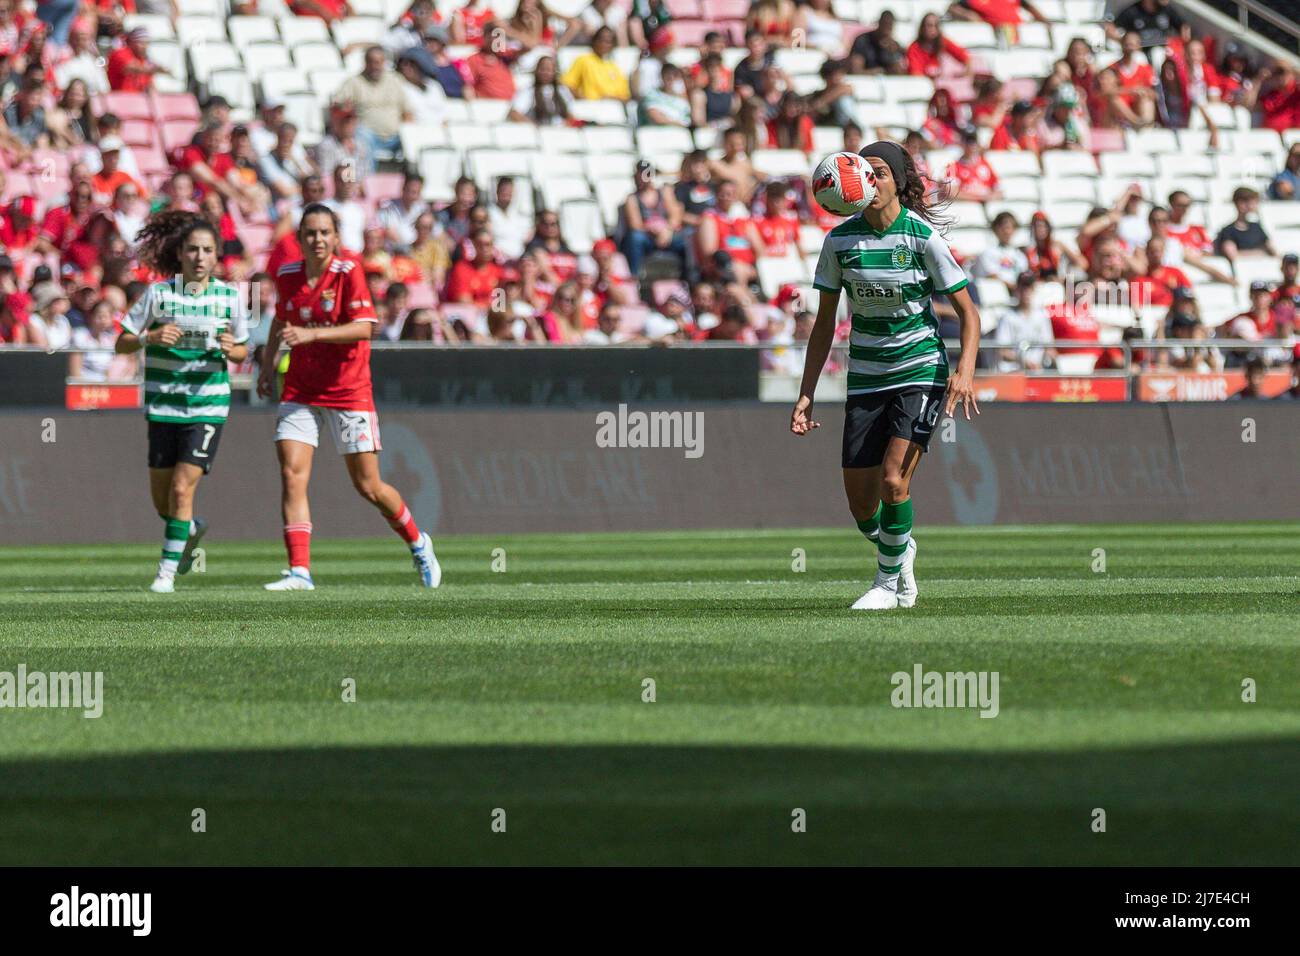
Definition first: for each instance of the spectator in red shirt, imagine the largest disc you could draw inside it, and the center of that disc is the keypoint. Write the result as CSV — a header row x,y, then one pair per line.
x,y
729,243
105,183
779,226
489,75
1003,15
1155,286
327,10
129,68
1260,321
1020,129
945,119
1190,236
1136,82
974,177
210,164
472,281
18,230
1279,97
925,55
63,224
468,23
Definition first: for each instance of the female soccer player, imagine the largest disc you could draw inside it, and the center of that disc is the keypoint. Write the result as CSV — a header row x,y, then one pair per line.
x,y
890,259
325,315
189,325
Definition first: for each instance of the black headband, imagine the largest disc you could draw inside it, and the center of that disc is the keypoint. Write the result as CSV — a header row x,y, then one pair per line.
x,y
893,155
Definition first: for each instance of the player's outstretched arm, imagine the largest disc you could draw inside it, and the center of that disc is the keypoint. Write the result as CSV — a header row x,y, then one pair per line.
x,y
270,358
961,386
819,348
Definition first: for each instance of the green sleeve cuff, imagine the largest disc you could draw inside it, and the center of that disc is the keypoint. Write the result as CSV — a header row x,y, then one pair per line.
x,y
957,288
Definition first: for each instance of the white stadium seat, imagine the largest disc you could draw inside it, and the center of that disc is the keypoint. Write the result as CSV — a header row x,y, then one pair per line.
x,y
208,57
1067,162
581,224
781,162
245,31
310,57
262,57
297,31
1013,162
192,31
560,139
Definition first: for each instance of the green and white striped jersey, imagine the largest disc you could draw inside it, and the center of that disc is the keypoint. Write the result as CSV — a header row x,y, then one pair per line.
x,y
889,277
188,382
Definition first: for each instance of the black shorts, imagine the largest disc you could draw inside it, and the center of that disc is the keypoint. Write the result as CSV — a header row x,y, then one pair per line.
x,y
871,420
192,442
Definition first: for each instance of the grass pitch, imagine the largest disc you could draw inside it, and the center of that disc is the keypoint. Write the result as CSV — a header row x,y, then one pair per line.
x,y
523,691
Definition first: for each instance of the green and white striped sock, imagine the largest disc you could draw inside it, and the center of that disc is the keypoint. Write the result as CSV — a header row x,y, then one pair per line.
x,y
871,527
895,532
173,544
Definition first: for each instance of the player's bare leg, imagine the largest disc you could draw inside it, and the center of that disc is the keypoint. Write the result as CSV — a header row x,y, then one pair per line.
x,y
363,469
295,475
172,490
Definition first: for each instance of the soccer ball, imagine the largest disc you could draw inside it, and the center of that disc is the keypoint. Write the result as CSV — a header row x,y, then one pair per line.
x,y
844,184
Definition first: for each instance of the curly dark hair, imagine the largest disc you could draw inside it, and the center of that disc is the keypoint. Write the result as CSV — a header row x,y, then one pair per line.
x,y
163,236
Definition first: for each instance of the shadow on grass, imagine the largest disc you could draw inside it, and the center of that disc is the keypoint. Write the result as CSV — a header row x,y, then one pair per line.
x,y
1221,804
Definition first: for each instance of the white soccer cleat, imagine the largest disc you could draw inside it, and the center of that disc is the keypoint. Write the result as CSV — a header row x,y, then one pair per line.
x,y
907,577
292,581
192,542
162,585
883,595
426,562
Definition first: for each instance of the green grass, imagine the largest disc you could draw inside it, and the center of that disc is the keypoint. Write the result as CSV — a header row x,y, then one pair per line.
x,y
523,690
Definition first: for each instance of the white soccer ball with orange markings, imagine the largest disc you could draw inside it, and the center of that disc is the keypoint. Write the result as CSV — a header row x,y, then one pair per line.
x,y
844,184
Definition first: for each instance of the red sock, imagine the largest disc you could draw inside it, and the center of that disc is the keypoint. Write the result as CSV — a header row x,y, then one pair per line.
x,y
297,541
404,525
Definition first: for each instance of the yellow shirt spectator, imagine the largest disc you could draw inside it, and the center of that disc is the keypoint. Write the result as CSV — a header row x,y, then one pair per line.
x,y
593,77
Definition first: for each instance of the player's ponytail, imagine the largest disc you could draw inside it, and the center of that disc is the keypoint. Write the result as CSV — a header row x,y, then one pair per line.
x,y
163,236
917,196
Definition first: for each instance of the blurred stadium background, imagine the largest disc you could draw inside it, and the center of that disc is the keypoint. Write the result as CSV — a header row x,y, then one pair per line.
x,y
243,109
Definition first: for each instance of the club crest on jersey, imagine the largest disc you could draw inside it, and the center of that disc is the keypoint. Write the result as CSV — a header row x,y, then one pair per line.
x,y
327,300
305,312
902,257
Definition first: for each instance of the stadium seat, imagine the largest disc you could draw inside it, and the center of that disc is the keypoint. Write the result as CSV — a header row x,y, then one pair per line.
x,y
282,82
581,224
467,136
1021,189
560,139
440,169
1023,211
1013,163
209,57
299,31
311,57
1149,142
601,141
175,106
610,196
724,9
1058,163
485,112
124,105
245,31
1277,216
776,272
799,61
664,139
556,190
260,58
867,89
1179,165
1067,188
486,166
827,139
357,30
159,27
1067,215
234,86
907,89
1131,164
602,112
195,30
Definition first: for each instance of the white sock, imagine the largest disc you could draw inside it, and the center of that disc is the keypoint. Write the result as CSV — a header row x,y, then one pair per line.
x,y
300,571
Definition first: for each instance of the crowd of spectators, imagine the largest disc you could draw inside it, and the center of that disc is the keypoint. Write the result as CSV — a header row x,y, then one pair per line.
x,y
684,262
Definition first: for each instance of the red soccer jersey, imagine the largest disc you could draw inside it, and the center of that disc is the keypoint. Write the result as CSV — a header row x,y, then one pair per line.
x,y
1000,13
778,234
119,79
475,21
1191,237
977,180
329,374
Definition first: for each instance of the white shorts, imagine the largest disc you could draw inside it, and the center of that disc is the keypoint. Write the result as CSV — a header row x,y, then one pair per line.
x,y
353,431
